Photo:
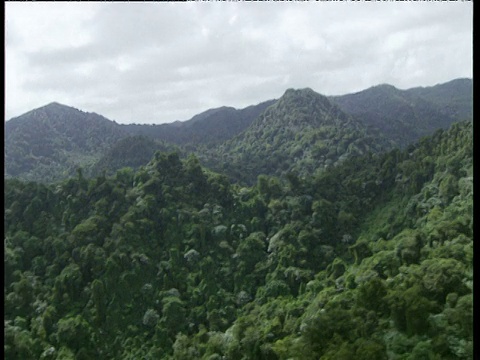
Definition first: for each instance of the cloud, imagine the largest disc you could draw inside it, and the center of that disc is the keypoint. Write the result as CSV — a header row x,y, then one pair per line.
x,y
160,62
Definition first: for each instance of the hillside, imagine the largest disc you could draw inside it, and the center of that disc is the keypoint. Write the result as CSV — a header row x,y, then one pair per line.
x,y
131,151
213,126
301,133
369,259
404,116
51,142
454,97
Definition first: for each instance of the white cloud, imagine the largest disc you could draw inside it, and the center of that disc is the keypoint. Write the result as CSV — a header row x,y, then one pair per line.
x,y
161,62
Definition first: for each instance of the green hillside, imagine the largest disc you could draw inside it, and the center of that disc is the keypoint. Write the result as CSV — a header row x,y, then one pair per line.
x,y
454,97
210,127
404,116
299,134
132,151
368,259
50,143
303,132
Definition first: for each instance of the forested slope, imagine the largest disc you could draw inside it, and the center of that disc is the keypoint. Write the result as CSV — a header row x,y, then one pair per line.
x,y
300,134
404,116
370,259
213,126
51,142
454,98
132,151
303,132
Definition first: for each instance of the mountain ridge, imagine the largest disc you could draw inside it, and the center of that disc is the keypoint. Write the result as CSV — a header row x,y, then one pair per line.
x,y
406,115
209,127
302,132
50,142
53,140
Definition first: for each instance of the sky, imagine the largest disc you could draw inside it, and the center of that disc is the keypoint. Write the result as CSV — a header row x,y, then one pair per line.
x,y
158,62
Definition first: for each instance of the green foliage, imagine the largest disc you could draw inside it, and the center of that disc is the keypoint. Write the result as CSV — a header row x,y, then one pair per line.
x,y
74,332
404,116
172,261
51,142
297,135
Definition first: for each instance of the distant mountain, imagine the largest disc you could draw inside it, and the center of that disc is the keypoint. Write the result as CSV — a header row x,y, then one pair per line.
x,y
454,98
51,142
404,116
301,133
209,127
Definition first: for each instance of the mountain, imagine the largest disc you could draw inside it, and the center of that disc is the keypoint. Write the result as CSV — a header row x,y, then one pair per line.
x,y
369,259
404,116
210,127
300,133
51,142
454,98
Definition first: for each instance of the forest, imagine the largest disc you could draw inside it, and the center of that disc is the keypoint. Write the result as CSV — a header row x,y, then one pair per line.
x,y
301,132
369,258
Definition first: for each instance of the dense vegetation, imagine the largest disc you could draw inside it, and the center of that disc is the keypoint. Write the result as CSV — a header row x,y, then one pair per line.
x,y
300,133
368,259
210,127
404,116
48,144
132,151
51,142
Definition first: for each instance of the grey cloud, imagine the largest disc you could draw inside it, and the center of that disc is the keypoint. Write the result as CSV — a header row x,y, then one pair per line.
x,y
160,62
132,26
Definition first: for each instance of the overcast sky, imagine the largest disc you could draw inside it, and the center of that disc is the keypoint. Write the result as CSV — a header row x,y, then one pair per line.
x,y
160,62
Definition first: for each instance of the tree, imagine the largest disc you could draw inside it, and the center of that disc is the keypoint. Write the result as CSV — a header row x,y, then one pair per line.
x,y
173,315
73,332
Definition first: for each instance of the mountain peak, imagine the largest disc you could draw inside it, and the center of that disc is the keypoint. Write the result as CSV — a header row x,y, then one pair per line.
x,y
299,133
303,92
306,100
384,89
384,86
298,110
292,91
56,105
